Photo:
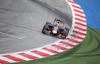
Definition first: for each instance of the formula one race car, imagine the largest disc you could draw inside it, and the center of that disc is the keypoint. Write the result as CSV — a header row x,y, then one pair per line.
x,y
56,29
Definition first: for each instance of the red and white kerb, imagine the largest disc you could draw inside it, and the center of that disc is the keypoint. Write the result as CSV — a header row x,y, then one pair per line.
x,y
76,35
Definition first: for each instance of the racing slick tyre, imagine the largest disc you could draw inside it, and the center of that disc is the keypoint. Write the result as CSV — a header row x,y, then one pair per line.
x,y
48,23
67,29
44,28
64,34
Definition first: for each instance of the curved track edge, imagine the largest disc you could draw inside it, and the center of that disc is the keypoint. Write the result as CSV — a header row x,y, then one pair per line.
x,y
76,35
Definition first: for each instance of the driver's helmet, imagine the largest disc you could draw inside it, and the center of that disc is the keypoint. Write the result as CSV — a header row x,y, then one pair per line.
x,y
57,22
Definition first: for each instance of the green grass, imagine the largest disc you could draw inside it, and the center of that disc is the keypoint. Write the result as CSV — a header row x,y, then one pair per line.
x,y
88,52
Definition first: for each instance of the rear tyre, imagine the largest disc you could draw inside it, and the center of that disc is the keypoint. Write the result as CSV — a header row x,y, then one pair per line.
x,y
64,34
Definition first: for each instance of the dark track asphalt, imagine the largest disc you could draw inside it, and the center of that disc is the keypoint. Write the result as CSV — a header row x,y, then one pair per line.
x,y
21,22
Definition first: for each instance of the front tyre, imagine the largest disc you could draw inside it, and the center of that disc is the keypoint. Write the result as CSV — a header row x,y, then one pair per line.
x,y
44,28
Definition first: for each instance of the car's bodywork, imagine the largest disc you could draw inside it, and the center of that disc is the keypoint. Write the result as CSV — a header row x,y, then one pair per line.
x,y
56,29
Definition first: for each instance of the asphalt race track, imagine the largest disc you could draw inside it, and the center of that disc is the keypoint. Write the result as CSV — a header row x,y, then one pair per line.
x,y
21,22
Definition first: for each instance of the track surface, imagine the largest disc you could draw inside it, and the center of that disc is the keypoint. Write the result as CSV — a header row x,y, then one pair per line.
x,y
21,22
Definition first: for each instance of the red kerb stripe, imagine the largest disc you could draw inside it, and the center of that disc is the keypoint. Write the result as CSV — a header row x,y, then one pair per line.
x,y
73,40
59,47
76,36
80,15
76,6
72,1
3,62
50,50
80,28
80,19
80,23
40,53
14,58
79,11
28,56
68,44
80,33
